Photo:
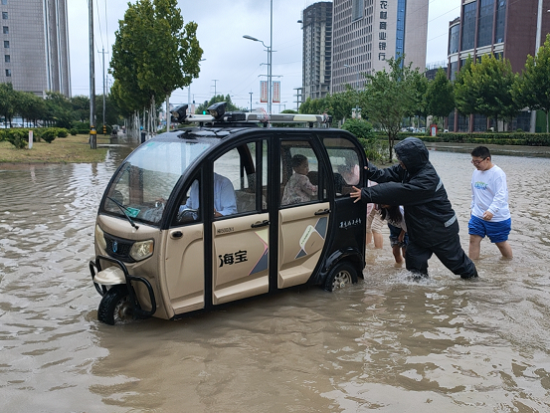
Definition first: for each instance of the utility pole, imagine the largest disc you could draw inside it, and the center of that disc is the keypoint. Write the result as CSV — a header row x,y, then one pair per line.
x,y
250,101
93,133
533,127
104,90
214,80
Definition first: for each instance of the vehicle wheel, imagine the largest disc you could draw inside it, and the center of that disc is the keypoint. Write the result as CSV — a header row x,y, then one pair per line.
x,y
115,306
340,276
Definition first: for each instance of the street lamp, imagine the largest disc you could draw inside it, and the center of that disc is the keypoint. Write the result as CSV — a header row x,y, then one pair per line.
x,y
269,76
356,112
191,106
269,57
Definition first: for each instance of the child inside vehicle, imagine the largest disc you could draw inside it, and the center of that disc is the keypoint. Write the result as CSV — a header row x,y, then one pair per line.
x,y
299,188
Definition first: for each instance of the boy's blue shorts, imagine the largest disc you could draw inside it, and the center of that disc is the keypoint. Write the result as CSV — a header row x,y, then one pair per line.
x,y
394,237
496,231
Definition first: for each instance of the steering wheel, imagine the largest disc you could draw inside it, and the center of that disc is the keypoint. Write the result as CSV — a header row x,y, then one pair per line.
x,y
187,215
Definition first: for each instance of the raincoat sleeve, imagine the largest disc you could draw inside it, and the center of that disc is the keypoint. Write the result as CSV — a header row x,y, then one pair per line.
x,y
419,190
392,174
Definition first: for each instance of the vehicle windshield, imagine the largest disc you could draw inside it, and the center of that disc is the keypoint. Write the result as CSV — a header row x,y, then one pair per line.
x,y
146,179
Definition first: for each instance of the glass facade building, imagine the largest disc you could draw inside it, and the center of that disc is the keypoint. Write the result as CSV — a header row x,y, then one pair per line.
x,y
504,28
367,33
36,46
317,44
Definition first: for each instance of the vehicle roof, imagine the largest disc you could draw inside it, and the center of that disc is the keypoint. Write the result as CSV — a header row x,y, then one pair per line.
x,y
197,133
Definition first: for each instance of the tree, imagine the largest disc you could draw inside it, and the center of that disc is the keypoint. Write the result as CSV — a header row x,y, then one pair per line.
x,y
487,86
154,54
532,89
7,101
339,105
440,99
81,108
360,128
59,109
493,80
215,99
31,107
421,83
390,96
465,98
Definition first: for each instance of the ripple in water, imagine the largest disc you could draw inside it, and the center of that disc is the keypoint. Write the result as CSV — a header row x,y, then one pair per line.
x,y
388,344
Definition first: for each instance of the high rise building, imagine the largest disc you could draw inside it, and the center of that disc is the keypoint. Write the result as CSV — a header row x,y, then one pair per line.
x,y
35,46
505,28
366,33
317,42
502,27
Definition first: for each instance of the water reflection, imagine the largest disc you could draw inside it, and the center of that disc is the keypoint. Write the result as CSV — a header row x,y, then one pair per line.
x,y
386,344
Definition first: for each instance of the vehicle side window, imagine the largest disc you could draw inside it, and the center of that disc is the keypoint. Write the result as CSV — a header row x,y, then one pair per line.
x,y
189,210
299,173
345,163
226,175
240,165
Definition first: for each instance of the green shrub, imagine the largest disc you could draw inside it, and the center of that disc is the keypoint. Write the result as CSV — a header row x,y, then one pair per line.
x,y
360,128
17,137
49,134
83,128
74,131
61,132
480,138
374,147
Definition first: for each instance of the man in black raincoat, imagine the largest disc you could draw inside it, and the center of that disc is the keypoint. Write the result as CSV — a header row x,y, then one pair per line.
x,y
431,221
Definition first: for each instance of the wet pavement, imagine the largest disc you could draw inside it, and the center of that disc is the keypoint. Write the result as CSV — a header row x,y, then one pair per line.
x,y
387,344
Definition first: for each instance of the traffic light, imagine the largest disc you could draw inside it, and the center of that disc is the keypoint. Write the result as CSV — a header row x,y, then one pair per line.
x,y
105,129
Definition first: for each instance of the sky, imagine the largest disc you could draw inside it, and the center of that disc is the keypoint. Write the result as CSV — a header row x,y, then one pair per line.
x,y
232,65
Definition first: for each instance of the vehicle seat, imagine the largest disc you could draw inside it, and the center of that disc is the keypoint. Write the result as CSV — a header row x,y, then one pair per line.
x,y
246,201
313,177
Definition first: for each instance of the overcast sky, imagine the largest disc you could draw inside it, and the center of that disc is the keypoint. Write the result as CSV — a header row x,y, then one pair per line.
x,y
233,64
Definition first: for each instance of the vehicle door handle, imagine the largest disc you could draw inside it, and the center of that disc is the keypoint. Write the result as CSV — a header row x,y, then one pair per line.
x,y
176,234
323,212
260,224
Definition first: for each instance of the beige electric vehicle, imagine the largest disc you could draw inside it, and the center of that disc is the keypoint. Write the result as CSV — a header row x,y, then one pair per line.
x,y
226,210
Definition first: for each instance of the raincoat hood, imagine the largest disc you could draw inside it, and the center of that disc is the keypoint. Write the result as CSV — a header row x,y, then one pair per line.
x,y
413,153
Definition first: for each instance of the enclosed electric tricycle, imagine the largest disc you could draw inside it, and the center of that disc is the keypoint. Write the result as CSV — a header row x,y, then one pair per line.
x,y
197,217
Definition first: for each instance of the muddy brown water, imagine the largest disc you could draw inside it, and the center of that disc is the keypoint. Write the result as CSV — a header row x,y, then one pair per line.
x,y
386,344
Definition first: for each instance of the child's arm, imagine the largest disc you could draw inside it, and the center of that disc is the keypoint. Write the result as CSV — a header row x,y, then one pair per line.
x,y
401,236
308,187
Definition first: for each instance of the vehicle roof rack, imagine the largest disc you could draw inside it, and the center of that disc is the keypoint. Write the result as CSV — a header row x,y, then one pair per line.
x,y
219,117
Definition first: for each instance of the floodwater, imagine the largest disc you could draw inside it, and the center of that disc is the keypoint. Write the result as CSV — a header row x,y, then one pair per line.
x,y
386,344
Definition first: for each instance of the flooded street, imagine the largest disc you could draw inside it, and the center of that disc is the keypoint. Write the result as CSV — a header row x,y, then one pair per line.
x,y
386,344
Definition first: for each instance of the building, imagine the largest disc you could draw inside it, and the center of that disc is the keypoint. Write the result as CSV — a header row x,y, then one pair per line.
x,y
317,44
505,28
366,33
35,46
431,70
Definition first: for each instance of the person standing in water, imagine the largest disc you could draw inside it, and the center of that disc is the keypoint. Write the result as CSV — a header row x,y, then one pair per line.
x,y
432,224
490,211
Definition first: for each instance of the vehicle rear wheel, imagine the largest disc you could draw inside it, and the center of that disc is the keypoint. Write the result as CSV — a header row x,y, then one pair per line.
x,y
115,306
342,275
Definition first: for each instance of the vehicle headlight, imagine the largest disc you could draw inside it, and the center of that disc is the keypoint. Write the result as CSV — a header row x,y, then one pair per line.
x,y
100,238
141,250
